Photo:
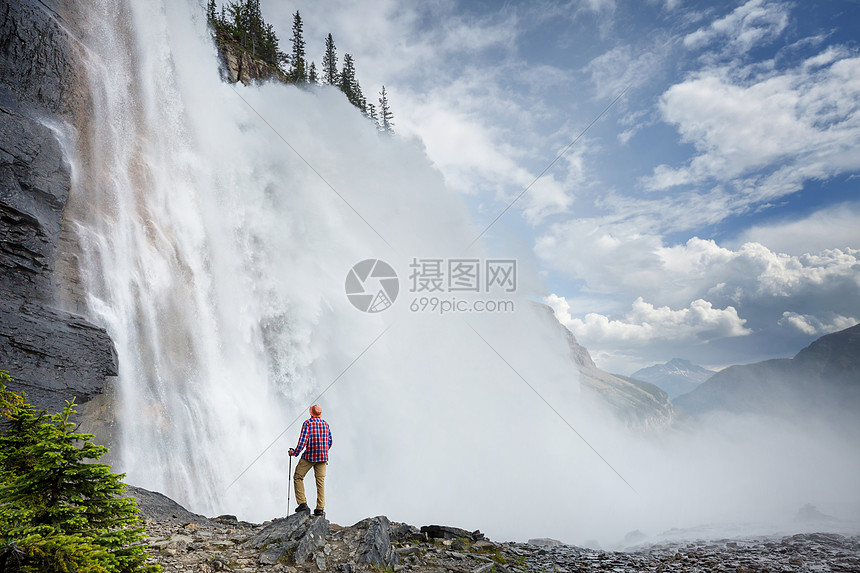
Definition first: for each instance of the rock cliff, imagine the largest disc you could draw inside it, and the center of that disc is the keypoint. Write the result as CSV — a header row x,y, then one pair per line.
x,y
52,354
238,65
638,404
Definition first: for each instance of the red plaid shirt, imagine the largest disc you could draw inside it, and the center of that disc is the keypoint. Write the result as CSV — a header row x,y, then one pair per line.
x,y
316,435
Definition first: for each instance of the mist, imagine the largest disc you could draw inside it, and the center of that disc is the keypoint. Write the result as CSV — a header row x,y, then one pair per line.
x,y
217,225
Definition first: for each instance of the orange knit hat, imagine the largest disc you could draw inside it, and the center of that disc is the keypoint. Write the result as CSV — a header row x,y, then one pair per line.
x,y
316,410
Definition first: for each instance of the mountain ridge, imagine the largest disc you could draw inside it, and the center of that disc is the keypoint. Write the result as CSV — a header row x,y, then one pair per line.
x,y
638,403
820,380
675,377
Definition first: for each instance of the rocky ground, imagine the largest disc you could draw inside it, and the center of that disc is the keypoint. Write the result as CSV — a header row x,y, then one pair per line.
x,y
187,543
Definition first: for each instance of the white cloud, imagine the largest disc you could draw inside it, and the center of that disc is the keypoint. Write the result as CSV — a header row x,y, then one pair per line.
x,y
546,197
834,227
611,258
813,325
756,270
753,23
777,130
645,322
624,66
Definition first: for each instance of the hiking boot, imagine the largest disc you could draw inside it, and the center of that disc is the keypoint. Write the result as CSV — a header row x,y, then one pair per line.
x,y
302,507
319,513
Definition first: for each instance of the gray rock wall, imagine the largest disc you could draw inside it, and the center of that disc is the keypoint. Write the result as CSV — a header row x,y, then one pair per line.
x,y
52,354
237,65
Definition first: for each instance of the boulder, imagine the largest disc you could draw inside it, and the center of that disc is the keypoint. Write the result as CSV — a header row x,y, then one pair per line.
x,y
545,542
374,546
299,533
447,532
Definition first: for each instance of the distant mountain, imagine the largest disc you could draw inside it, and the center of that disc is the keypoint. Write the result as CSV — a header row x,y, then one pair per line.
x,y
640,405
823,379
676,377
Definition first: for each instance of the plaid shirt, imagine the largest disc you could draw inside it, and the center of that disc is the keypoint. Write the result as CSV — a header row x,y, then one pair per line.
x,y
316,435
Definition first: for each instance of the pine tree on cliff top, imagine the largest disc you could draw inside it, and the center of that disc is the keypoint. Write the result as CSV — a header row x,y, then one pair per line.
x,y
386,117
58,512
298,66
349,84
329,63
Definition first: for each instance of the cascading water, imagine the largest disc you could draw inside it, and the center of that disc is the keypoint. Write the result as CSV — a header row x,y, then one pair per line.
x,y
216,258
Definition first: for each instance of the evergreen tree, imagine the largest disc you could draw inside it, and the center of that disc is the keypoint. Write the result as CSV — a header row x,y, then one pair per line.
x,y
298,67
329,63
255,26
349,84
312,73
58,512
211,14
385,114
347,77
360,101
270,51
371,113
243,21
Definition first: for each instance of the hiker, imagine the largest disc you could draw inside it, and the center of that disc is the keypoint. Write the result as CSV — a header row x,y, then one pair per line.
x,y
316,440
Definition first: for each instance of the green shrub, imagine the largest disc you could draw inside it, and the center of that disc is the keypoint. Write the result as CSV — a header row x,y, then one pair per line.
x,y
60,511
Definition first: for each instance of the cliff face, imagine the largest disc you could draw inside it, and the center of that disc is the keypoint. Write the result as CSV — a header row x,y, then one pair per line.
x,y
640,405
237,65
52,354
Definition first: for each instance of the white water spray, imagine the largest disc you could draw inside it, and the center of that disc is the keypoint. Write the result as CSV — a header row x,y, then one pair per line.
x,y
216,259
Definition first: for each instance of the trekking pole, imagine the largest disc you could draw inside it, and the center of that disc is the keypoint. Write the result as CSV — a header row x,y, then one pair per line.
x,y
289,477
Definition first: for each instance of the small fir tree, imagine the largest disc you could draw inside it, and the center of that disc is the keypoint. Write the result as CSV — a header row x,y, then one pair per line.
x,y
386,117
349,84
298,66
58,512
347,77
329,63
312,73
211,14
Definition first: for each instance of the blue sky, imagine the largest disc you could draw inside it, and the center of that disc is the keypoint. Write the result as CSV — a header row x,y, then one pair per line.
x,y
711,214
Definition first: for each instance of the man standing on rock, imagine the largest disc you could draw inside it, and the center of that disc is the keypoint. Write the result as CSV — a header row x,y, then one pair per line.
x,y
316,438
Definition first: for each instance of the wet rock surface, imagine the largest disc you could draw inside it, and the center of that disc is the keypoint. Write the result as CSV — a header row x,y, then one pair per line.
x,y
53,355
304,543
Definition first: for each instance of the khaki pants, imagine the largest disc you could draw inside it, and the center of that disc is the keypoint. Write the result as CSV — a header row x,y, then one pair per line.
x,y
302,469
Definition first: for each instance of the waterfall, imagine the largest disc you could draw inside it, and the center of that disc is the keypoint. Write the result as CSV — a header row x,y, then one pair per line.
x,y
216,257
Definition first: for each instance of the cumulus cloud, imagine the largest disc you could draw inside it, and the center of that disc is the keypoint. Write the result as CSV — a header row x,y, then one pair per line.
x,y
766,133
610,259
697,294
813,325
832,227
645,322
753,23
758,271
